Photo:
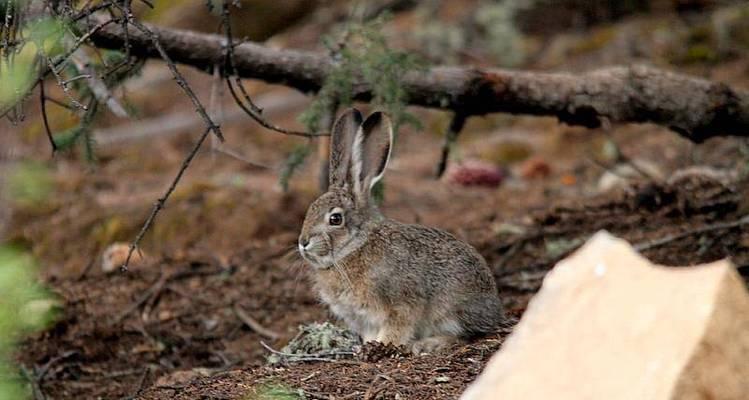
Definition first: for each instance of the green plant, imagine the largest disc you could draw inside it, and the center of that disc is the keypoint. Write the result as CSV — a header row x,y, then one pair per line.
x,y
41,49
28,184
24,307
294,160
364,56
275,391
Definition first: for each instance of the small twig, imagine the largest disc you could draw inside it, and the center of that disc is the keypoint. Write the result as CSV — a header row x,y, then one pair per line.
x,y
63,85
262,121
141,385
36,390
308,357
709,228
250,108
150,292
453,130
623,158
86,269
42,372
118,374
79,42
59,103
97,85
77,78
215,106
45,120
233,154
253,324
177,76
162,200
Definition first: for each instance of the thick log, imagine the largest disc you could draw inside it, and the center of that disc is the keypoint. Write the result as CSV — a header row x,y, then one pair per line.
x,y
696,108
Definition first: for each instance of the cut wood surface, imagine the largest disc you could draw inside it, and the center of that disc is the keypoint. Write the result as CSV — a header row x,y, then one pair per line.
x,y
608,324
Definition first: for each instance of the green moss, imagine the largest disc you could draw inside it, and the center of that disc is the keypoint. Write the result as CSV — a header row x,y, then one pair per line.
x,y
111,230
700,53
275,391
597,40
505,153
317,339
29,185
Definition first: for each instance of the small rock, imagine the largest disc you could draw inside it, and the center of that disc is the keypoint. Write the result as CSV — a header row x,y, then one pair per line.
x,y
535,168
116,254
210,324
568,180
442,379
622,176
475,173
178,378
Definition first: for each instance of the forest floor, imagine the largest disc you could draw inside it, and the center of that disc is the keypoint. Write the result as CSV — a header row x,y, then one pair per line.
x,y
168,329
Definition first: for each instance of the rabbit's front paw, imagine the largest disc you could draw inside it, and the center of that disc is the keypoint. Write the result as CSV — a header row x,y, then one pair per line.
x,y
431,345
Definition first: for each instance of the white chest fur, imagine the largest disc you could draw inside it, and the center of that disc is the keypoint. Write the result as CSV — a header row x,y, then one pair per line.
x,y
361,317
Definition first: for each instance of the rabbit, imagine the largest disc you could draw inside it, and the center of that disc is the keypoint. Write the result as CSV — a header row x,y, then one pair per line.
x,y
388,281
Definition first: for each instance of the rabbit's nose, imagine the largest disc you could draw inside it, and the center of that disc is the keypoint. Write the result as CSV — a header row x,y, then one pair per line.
x,y
303,242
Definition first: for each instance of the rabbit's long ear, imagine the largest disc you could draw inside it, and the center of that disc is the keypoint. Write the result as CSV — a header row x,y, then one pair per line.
x,y
370,153
342,138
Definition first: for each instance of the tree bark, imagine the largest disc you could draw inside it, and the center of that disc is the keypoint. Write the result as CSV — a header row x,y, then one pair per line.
x,y
696,108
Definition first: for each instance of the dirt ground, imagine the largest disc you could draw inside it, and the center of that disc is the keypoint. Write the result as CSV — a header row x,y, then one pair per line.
x,y
168,328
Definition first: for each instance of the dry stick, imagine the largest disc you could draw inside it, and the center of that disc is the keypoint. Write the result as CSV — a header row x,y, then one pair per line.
x,y
62,84
233,154
5,32
262,121
43,102
456,125
141,385
623,158
178,77
59,103
78,43
670,238
622,94
87,10
307,357
76,105
36,390
253,110
42,372
162,200
229,58
253,324
151,291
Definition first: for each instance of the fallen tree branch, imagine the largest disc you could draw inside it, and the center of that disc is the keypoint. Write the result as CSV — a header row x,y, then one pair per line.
x,y
697,109
155,42
709,228
253,324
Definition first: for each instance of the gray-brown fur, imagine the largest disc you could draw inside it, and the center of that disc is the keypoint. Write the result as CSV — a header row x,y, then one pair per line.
x,y
392,282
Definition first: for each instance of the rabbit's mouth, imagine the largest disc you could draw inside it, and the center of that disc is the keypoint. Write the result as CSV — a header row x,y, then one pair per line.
x,y
317,254
318,261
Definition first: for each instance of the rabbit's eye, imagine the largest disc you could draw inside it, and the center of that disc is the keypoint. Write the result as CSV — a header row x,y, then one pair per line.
x,y
335,219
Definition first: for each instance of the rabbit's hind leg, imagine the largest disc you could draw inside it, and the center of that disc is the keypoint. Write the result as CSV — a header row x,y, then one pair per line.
x,y
433,344
398,328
